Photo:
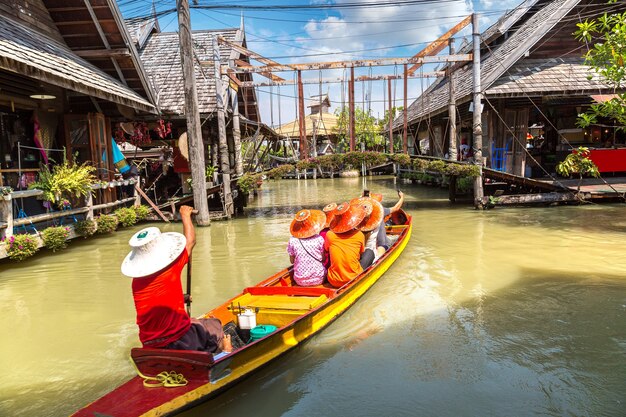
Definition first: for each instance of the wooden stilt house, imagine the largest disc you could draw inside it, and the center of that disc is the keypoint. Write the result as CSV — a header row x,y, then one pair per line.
x,y
534,84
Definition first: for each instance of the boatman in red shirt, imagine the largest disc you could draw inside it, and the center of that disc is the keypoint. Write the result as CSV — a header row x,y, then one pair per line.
x,y
155,264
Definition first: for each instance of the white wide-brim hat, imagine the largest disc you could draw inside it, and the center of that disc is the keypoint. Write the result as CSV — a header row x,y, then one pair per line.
x,y
152,251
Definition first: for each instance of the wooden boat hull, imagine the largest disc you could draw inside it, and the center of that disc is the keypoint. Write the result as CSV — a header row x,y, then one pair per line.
x,y
208,378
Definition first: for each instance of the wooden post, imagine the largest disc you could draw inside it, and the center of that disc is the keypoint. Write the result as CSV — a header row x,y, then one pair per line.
x,y
89,204
477,119
136,194
236,133
6,216
405,138
390,116
304,148
229,208
352,123
452,147
194,134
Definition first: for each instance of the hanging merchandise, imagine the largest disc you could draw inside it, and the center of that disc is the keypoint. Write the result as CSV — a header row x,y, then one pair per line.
x,y
141,134
163,129
37,139
118,158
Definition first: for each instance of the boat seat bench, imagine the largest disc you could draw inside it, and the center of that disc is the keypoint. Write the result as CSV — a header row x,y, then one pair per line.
x,y
297,291
279,302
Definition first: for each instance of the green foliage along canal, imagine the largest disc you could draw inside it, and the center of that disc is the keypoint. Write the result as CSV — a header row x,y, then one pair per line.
x,y
518,312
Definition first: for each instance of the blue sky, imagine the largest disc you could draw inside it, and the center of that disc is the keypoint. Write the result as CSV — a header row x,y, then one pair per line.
x,y
313,35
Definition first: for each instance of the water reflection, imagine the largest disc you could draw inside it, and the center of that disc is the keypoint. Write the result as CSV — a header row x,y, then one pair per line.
x,y
503,312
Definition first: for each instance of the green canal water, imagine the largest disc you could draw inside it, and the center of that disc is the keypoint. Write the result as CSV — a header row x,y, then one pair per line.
x,y
508,312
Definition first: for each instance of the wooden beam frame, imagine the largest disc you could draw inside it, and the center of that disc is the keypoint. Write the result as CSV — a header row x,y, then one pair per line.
x,y
351,64
439,44
433,74
245,51
103,53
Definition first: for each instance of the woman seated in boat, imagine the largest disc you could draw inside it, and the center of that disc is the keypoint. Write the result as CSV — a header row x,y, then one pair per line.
x,y
345,244
370,226
381,235
329,211
155,264
306,248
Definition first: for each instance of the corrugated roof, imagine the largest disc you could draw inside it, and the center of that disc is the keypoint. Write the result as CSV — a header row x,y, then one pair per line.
x,y
161,59
37,56
493,65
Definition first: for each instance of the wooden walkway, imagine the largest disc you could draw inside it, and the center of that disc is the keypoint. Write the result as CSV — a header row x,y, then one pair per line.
x,y
598,188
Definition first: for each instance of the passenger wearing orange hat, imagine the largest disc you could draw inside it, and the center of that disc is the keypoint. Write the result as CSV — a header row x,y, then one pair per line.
x,y
370,227
345,244
329,210
381,235
306,247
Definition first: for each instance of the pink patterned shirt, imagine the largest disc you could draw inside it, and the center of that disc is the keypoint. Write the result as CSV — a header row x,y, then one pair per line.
x,y
308,269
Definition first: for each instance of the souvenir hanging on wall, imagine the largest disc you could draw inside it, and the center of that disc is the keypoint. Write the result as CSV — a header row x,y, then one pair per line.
x,y
163,129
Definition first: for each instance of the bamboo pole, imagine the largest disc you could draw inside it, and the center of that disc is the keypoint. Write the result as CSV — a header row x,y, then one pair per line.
x,y
405,138
304,148
352,123
390,121
477,117
452,147
229,208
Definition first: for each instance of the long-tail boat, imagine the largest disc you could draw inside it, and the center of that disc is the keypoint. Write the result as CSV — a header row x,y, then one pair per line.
x,y
296,312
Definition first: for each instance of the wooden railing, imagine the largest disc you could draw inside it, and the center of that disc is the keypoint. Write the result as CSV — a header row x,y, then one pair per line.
x,y
8,222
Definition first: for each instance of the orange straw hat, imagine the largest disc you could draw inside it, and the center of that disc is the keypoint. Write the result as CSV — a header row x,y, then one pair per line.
x,y
329,210
375,216
377,197
347,217
307,223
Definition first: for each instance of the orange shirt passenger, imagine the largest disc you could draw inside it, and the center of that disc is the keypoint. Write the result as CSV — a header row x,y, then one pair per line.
x,y
345,244
345,249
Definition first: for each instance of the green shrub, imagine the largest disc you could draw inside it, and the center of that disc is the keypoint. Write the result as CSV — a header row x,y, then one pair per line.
x,y
55,238
85,228
107,223
126,216
437,166
142,212
306,164
464,184
330,161
400,158
280,171
247,182
419,164
20,247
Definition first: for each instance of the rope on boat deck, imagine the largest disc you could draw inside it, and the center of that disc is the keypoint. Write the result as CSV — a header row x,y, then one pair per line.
x,y
164,379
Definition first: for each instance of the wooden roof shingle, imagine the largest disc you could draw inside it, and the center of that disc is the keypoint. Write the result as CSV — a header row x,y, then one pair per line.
x,y
161,59
493,64
38,56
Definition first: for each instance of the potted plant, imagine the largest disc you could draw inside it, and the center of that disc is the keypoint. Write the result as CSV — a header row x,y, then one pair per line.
x,y
578,162
66,181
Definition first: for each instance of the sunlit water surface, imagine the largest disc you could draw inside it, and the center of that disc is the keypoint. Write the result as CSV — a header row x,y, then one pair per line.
x,y
507,312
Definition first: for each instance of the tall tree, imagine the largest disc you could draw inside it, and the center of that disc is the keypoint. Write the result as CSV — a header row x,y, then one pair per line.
x,y
368,130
